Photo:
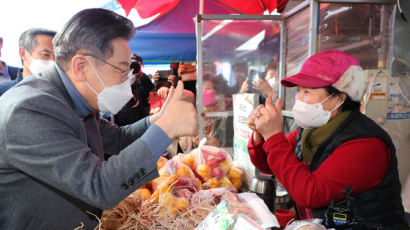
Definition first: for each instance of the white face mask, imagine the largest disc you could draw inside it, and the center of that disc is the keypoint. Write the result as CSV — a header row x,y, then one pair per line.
x,y
273,83
38,65
112,99
310,116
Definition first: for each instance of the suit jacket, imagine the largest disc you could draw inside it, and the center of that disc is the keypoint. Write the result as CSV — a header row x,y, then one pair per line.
x,y
52,169
13,71
4,86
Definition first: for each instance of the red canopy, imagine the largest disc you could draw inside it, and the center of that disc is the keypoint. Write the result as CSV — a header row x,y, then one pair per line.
x,y
148,8
171,37
158,8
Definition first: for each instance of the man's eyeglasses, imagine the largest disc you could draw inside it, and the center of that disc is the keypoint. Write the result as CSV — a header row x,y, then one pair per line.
x,y
125,73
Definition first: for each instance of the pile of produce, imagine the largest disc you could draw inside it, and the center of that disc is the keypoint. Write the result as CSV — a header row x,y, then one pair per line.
x,y
188,188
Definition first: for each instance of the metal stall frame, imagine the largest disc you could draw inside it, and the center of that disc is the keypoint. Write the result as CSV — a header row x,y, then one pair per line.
x,y
198,27
313,33
312,46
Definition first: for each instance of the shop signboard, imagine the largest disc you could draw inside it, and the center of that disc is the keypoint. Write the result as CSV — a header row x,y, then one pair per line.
x,y
243,104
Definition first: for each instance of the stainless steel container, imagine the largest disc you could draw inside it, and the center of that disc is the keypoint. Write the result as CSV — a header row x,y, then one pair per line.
x,y
264,186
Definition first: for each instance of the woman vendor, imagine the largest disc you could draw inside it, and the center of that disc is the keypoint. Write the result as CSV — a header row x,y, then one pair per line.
x,y
336,147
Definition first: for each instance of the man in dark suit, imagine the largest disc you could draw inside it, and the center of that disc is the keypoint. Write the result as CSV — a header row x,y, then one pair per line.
x,y
7,73
36,53
52,169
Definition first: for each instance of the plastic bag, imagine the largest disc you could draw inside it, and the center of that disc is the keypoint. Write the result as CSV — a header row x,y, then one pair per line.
x,y
312,224
235,213
174,177
213,166
213,195
187,159
264,217
175,167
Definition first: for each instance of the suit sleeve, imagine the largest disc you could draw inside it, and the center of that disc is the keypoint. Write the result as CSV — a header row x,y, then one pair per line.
x,y
117,138
46,141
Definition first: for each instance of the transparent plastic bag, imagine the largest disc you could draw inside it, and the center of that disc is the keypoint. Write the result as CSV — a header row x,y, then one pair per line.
x,y
214,195
176,178
213,165
233,212
311,224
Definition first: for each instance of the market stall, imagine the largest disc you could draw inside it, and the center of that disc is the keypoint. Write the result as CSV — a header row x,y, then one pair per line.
x,y
210,184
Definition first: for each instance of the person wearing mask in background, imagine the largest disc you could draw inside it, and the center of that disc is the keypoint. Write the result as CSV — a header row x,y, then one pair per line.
x,y
36,53
138,107
7,73
335,149
213,88
269,85
52,169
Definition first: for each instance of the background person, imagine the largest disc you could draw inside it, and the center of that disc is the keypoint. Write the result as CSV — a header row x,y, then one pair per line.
x,y
52,169
161,88
215,99
268,85
138,106
143,85
187,73
7,73
36,53
240,73
336,145
162,85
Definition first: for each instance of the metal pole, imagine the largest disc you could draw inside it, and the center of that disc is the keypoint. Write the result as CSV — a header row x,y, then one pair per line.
x,y
282,58
392,38
314,18
384,35
199,101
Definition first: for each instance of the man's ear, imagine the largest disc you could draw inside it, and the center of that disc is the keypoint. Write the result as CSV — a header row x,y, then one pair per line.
x,y
78,66
22,54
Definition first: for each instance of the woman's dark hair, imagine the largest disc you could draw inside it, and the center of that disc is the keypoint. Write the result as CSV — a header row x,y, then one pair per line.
x,y
348,104
220,85
91,30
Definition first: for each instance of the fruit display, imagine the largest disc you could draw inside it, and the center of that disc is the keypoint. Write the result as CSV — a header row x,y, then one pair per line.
x,y
174,177
212,165
188,187
161,162
206,167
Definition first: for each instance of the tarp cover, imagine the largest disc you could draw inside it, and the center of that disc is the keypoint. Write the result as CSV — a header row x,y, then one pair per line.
x,y
170,36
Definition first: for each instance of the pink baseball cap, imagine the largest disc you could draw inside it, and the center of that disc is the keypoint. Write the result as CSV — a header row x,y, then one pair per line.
x,y
322,69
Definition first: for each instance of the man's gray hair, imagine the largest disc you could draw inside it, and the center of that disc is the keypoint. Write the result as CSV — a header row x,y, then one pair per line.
x,y
28,38
91,31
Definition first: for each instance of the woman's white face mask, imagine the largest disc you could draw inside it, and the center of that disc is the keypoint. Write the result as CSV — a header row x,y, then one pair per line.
x,y
310,116
111,99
